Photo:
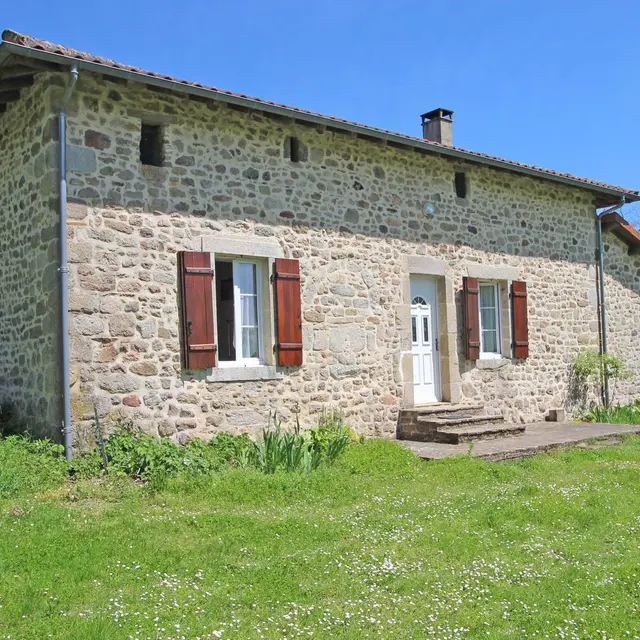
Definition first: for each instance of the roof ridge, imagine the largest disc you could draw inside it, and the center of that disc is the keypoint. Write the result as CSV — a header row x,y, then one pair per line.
x,y
30,42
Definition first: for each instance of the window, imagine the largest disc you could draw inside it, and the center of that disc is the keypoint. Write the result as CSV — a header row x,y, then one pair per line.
x,y
489,304
295,149
151,151
238,312
221,315
460,182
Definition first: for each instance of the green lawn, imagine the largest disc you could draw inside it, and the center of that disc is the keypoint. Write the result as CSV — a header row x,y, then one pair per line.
x,y
382,545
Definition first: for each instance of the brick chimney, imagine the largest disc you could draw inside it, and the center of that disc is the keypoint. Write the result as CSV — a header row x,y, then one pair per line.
x,y
437,126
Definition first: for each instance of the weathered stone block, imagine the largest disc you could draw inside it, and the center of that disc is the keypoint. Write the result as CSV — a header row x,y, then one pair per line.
x,y
86,325
117,383
144,368
122,325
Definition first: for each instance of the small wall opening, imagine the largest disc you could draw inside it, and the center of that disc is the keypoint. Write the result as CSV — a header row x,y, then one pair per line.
x,y
460,182
295,149
151,145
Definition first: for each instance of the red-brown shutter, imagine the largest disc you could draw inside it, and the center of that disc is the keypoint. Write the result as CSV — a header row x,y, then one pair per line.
x,y
196,293
520,319
471,318
289,310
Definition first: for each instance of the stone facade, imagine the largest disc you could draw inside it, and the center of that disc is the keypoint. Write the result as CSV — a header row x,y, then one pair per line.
x,y
29,283
352,212
622,298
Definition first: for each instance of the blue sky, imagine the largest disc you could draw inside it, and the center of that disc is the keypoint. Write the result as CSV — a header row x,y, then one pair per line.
x,y
548,83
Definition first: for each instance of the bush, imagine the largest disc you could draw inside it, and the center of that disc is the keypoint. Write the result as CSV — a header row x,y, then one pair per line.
x,y
589,367
141,456
229,448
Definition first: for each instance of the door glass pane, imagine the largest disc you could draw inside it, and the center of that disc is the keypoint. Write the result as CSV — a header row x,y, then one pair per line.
x,y
425,329
414,331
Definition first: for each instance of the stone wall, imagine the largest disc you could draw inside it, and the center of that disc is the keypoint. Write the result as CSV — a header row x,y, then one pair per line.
x,y
622,299
352,212
29,284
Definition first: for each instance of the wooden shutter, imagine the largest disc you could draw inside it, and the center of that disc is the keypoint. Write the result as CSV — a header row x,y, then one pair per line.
x,y
471,318
289,312
196,293
520,319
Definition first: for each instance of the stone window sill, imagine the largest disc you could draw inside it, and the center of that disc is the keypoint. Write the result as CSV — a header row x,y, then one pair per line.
x,y
492,363
244,374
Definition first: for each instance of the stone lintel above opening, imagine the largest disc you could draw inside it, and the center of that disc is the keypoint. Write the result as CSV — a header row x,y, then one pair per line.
x,y
239,246
493,272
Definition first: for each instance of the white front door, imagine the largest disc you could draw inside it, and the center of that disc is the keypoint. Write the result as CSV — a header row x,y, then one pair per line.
x,y
425,340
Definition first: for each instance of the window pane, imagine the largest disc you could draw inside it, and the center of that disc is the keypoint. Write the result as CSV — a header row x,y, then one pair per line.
x,y
488,319
414,332
245,277
250,342
249,306
490,341
487,296
425,329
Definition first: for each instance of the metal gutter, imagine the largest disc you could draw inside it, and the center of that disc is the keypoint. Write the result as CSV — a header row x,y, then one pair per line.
x,y
601,305
286,112
64,266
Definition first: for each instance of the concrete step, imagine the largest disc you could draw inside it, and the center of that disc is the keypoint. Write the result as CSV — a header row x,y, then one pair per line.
x,y
470,432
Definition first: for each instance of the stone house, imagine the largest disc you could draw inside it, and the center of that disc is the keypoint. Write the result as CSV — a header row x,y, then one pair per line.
x,y
223,256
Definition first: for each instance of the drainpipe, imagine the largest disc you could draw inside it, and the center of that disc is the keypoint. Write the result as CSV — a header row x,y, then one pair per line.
x,y
64,266
601,306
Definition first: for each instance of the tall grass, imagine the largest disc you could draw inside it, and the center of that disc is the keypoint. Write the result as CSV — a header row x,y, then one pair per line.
x,y
280,450
625,414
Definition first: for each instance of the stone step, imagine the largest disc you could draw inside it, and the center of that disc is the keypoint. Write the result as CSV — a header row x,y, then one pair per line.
x,y
480,431
455,420
421,423
445,408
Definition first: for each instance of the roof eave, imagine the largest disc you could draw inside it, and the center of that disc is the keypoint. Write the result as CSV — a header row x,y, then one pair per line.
x,y
7,48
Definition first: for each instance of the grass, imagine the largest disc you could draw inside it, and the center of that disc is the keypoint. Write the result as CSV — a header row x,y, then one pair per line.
x,y
619,414
380,546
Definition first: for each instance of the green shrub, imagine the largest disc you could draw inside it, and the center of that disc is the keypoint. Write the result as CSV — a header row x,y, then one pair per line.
x,y
589,368
140,455
230,448
330,429
87,464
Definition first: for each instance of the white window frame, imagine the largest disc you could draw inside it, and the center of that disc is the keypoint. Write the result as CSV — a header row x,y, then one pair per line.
x,y
490,355
244,362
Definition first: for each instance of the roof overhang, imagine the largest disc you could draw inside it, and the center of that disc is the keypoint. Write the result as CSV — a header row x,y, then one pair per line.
x,y
624,230
606,195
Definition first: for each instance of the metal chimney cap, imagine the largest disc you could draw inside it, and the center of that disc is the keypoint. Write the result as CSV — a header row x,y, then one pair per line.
x,y
437,113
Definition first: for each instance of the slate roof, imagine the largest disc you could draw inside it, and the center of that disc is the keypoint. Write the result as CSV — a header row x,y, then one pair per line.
x,y
35,44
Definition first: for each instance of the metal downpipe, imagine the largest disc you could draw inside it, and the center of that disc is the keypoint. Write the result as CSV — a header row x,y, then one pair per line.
x,y
64,266
601,307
